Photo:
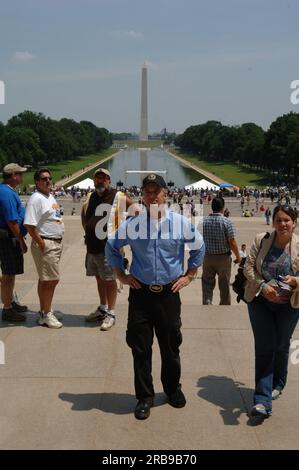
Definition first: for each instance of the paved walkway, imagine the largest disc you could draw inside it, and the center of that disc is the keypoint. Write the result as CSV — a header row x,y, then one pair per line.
x,y
73,388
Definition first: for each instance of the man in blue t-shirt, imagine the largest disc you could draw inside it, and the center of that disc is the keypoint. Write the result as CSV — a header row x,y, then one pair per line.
x,y
12,243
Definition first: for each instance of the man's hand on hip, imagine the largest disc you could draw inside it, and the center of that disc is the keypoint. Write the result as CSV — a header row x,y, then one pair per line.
x,y
23,246
183,281
42,245
129,280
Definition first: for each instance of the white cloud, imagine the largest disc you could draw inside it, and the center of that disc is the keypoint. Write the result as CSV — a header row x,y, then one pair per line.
x,y
128,34
24,56
134,35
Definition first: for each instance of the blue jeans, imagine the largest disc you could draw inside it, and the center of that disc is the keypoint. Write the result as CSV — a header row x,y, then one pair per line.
x,y
273,326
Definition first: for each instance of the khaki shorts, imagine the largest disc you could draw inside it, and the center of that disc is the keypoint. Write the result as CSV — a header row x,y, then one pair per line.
x,y
96,265
47,263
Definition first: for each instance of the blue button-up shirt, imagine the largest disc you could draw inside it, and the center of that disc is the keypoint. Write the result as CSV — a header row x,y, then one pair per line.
x,y
157,247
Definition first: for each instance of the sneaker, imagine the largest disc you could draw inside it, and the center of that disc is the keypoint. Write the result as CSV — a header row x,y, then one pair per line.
x,y
56,314
10,314
177,399
276,393
19,308
108,322
98,315
49,320
261,411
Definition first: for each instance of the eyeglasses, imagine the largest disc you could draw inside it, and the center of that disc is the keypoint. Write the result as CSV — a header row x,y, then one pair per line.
x,y
46,178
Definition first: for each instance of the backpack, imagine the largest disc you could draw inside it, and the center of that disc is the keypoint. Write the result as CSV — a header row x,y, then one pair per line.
x,y
239,283
240,280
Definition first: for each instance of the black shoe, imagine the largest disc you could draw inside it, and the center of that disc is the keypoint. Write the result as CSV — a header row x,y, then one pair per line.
x,y
98,315
19,308
177,399
143,408
260,411
10,314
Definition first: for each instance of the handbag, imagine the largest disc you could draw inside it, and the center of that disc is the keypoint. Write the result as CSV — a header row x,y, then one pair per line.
x,y
240,280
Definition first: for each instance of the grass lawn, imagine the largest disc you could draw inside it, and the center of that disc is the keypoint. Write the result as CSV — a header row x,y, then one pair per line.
x,y
235,174
69,167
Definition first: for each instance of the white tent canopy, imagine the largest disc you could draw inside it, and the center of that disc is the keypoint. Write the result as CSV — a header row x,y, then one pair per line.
x,y
84,184
202,184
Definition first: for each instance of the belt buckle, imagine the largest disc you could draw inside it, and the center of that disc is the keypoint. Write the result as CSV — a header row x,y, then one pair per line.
x,y
156,288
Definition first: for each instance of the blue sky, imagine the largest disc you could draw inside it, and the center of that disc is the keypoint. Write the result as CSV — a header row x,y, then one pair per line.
x,y
229,60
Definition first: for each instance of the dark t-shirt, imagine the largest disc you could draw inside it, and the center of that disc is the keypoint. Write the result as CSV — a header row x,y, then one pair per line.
x,y
94,244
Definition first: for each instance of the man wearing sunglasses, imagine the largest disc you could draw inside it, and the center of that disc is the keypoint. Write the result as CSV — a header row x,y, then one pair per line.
x,y
104,204
43,221
12,244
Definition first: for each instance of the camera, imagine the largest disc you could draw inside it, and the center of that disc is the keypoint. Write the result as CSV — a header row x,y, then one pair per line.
x,y
283,285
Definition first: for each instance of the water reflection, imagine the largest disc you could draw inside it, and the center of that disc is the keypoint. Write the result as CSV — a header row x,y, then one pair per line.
x,y
156,159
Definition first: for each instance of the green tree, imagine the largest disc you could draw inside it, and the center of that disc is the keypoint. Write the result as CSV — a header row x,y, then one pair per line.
x,y
51,140
22,145
281,144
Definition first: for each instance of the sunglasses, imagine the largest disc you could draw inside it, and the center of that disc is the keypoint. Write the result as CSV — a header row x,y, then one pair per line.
x,y
46,178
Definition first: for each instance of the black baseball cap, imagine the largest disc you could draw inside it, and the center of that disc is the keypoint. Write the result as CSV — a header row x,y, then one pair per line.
x,y
153,178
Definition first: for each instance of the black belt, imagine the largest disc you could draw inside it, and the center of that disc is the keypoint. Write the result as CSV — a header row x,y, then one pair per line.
x,y
157,288
59,240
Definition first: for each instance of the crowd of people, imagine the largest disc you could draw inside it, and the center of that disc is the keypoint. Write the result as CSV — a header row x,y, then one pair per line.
x,y
157,236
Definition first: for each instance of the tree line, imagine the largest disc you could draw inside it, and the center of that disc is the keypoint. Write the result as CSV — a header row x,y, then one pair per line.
x,y
33,139
275,150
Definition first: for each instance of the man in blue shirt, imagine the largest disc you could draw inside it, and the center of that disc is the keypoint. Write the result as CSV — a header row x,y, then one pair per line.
x,y
12,244
157,238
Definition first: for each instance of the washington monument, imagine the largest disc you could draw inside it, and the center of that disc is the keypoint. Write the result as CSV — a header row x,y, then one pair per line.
x,y
144,118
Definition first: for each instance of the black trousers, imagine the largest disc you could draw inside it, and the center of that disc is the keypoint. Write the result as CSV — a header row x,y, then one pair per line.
x,y
160,313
